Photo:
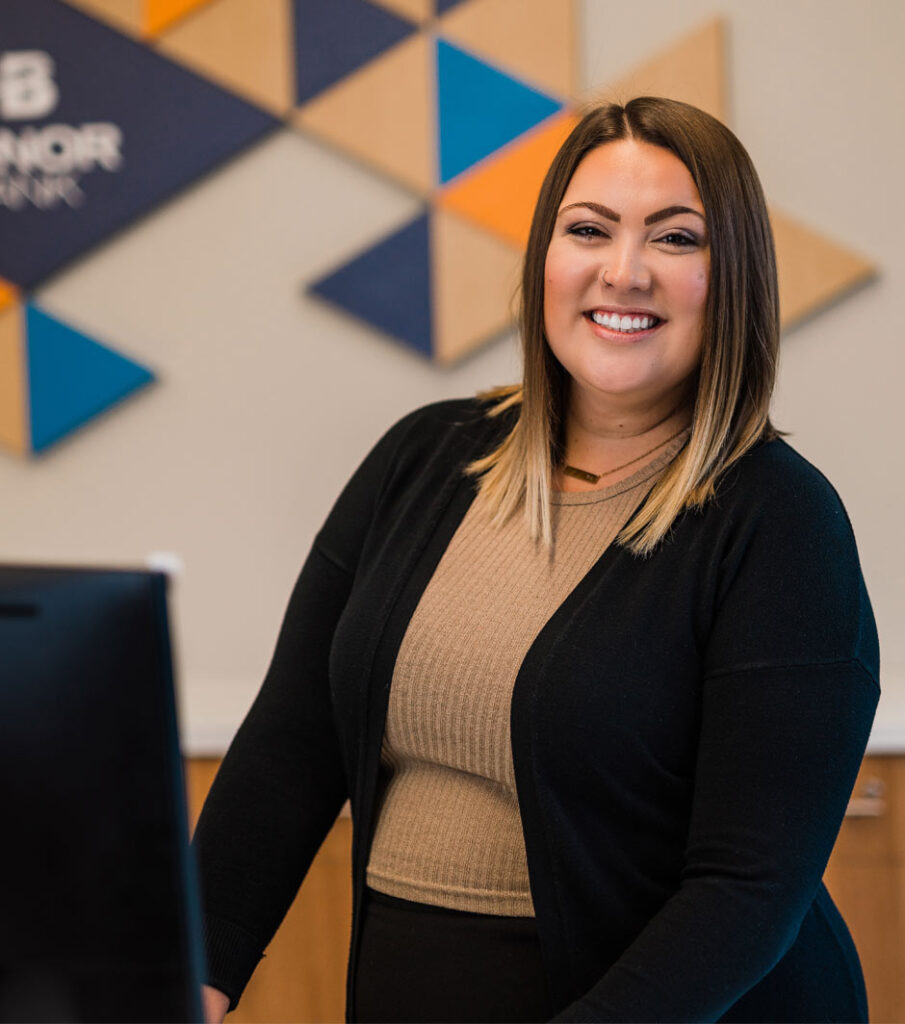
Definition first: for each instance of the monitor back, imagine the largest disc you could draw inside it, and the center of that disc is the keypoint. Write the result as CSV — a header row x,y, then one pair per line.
x,y
99,916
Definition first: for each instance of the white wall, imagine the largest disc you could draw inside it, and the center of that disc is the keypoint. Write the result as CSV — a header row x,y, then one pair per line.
x,y
267,399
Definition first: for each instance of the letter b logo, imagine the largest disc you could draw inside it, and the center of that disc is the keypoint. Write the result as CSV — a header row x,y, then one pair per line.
x,y
27,88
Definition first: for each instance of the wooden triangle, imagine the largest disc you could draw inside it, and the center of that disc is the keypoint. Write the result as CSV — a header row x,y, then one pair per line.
x,y
692,70
14,432
245,47
813,271
126,15
384,114
163,14
501,192
415,10
535,39
474,281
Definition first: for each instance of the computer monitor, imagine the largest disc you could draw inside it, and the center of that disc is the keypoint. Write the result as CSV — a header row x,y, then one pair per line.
x,y
99,917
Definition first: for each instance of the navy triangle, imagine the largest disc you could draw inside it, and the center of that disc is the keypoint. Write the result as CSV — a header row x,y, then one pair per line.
x,y
164,127
335,37
389,285
444,5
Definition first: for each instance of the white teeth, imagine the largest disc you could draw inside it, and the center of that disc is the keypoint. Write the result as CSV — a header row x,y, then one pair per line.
x,y
623,323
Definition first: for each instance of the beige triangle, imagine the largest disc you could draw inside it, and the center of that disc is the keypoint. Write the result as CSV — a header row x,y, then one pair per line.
x,y
383,114
13,382
533,38
474,280
126,15
415,10
243,46
692,70
813,271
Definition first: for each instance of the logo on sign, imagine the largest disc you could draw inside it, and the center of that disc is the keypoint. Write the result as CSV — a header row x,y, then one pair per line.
x,y
42,166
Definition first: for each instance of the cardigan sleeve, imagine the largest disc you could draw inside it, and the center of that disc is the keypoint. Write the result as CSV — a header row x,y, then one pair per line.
x,y
787,700
282,782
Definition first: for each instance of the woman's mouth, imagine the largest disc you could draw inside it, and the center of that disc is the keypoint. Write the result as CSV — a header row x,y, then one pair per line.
x,y
624,323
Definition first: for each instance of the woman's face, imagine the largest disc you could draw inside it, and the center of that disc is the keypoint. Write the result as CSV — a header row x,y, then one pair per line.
x,y
626,276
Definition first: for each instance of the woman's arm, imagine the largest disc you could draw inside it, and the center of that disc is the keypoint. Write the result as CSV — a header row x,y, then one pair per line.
x,y
282,781
278,790
779,752
787,701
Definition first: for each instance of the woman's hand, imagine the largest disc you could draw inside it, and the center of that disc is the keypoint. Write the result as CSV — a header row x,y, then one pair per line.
x,y
216,1003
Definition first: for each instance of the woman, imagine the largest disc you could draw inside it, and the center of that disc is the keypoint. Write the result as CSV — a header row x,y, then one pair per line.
x,y
633,662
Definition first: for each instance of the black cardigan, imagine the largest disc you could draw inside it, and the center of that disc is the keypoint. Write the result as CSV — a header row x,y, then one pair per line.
x,y
686,730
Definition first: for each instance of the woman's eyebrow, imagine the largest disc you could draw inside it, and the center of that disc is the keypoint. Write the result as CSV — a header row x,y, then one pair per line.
x,y
604,211
671,211
653,218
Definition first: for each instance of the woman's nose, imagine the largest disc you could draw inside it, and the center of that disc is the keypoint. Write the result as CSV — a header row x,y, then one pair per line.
x,y
624,268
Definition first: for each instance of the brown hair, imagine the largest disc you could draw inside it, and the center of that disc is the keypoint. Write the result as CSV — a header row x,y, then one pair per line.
x,y
741,327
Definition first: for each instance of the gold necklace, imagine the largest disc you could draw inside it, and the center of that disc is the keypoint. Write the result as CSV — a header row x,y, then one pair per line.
x,y
591,478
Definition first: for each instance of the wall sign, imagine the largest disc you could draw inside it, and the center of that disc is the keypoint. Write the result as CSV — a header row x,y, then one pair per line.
x,y
95,130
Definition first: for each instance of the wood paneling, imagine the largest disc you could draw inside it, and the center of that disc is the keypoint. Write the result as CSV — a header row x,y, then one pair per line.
x,y
866,878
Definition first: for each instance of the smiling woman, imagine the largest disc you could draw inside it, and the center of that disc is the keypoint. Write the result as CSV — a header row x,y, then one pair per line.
x,y
624,297
695,231
591,655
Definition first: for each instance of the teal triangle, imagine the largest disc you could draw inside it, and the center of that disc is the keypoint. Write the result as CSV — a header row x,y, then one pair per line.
x,y
71,377
480,109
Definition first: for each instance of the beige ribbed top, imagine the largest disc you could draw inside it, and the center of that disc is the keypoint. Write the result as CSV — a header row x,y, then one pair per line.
x,y
449,831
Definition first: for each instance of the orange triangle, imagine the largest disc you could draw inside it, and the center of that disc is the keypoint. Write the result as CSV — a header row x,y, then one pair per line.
x,y
500,193
692,70
474,279
244,46
533,38
415,10
126,15
14,432
813,271
9,293
161,14
384,114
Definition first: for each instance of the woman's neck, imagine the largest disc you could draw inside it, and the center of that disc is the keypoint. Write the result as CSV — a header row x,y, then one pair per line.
x,y
613,443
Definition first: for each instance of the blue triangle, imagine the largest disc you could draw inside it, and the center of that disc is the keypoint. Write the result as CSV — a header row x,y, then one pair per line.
x,y
335,37
71,377
480,109
389,285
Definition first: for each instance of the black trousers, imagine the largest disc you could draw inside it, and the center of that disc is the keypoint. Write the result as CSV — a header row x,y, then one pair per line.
x,y
429,964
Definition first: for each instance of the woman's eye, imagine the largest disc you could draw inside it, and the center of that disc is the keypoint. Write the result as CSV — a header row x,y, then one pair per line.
x,y
678,239
586,231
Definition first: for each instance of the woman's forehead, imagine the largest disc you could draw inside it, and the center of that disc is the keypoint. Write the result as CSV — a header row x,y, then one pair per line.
x,y
632,172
